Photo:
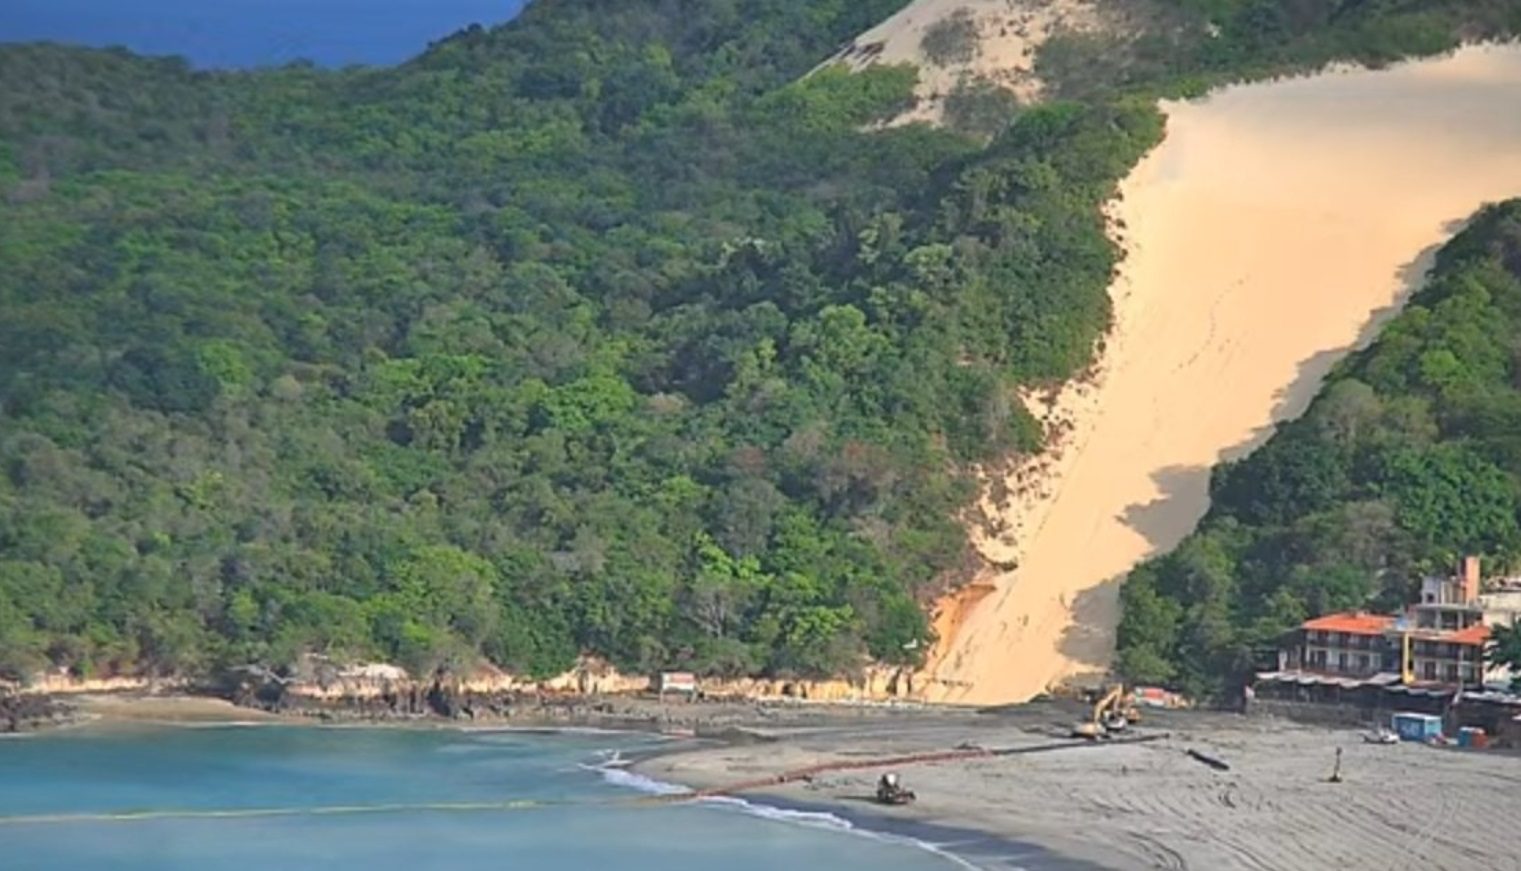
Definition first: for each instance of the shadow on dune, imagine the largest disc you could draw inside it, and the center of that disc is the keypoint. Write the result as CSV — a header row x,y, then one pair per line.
x,y
1089,640
1166,520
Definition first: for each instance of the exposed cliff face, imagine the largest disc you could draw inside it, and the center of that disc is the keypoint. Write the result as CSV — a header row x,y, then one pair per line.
x,y
61,683
380,691
877,683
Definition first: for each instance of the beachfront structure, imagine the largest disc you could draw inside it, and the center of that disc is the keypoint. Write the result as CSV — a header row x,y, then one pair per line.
x,y
1362,646
1446,657
1352,644
1437,642
682,682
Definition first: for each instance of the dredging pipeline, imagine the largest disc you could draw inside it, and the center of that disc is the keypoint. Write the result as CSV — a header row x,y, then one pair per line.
x,y
808,772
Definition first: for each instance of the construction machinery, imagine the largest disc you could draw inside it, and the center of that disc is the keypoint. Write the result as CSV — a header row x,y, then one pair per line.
x,y
1113,712
890,790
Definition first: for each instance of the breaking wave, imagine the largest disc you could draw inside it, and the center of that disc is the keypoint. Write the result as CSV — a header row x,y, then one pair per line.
x,y
613,767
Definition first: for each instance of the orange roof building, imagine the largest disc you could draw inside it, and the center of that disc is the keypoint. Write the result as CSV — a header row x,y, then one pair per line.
x,y
1351,623
1474,635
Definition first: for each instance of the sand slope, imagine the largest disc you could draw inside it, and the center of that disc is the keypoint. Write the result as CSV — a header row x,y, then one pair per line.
x,y
1275,228
1009,32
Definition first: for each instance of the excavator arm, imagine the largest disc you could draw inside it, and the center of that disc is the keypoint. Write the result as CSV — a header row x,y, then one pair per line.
x,y
1106,710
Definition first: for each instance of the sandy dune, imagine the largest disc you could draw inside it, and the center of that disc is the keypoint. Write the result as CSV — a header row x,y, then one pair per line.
x,y
1275,229
1008,34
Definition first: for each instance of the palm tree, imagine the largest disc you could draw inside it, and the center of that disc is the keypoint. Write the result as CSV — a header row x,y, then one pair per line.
x,y
1504,648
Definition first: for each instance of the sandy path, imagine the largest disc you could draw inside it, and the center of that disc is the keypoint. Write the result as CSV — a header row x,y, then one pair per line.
x,y
1275,228
1150,806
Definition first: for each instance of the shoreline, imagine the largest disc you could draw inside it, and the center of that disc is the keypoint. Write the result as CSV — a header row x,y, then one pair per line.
x,y
114,712
1031,797
1138,805
962,841
962,845
979,842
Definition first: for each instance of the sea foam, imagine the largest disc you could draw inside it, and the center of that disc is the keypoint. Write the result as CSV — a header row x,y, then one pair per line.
x,y
613,767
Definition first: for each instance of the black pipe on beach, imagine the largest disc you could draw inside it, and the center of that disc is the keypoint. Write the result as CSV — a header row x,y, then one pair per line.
x,y
924,758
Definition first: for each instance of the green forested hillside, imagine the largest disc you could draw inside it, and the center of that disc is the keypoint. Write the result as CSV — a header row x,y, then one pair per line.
x,y
599,331
606,330
1410,457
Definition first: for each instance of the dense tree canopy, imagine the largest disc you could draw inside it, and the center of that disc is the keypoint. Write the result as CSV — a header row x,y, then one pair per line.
x,y
1410,457
612,329
601,331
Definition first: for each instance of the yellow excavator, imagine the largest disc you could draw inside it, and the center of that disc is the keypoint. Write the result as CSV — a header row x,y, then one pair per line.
x,y
1113,712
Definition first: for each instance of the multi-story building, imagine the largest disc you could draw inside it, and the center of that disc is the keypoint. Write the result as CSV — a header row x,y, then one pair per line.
x,y
1452,603
1438,640
1444,656
1352,644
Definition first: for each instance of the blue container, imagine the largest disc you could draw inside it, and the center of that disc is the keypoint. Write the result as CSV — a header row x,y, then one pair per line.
x,y
1417,727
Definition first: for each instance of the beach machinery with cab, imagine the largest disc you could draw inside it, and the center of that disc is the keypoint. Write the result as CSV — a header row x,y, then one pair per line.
x,y
890,790
1113,712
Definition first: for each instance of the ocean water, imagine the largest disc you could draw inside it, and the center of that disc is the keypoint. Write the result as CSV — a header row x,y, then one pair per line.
x,y
251,798
247,33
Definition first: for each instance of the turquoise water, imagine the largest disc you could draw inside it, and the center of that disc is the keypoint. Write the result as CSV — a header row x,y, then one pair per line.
x,y
380,799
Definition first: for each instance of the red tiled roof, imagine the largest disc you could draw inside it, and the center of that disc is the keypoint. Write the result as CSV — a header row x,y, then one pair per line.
x,y
1352,622
1476,634
1473,635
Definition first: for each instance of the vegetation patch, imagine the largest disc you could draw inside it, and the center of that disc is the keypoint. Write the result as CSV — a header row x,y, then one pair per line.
x,y
980,108
952,40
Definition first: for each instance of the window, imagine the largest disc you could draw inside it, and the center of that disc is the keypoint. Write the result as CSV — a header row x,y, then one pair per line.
x,y
1362,662
1451,672
1428,670
1341,662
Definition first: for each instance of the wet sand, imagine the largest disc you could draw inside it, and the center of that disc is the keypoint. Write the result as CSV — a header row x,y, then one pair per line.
x,y
1275,229
1150,805
130,710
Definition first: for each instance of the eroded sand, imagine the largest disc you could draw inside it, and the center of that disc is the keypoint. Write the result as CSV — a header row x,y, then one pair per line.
x,y
1274,230
1151,806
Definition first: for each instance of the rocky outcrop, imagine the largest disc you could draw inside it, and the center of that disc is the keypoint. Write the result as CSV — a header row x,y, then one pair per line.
x,y
876,683
591,692
26,712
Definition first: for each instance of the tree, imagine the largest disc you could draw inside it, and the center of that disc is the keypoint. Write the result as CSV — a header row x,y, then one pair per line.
x,y
1504,648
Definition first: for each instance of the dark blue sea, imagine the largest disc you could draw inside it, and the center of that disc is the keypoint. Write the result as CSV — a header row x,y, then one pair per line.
x,y
249,33
286,798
